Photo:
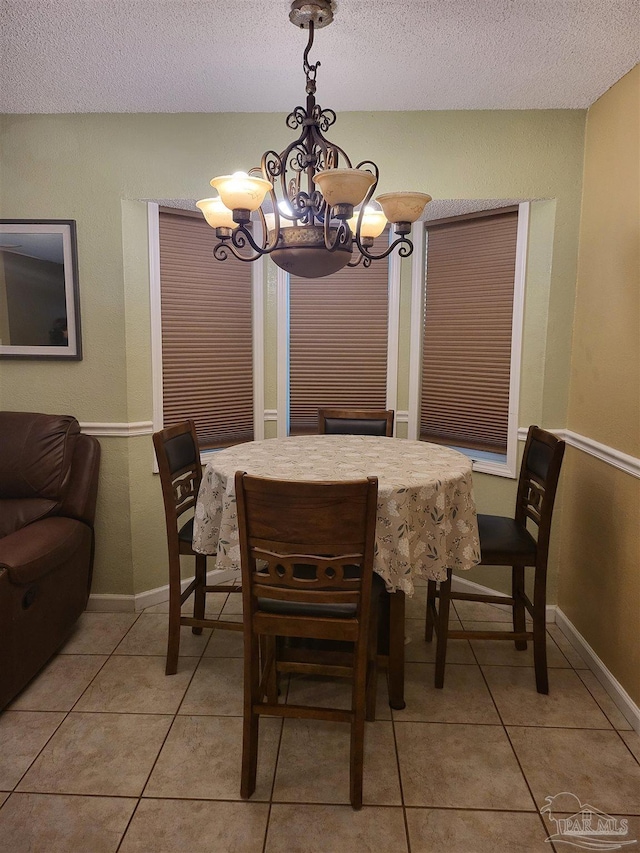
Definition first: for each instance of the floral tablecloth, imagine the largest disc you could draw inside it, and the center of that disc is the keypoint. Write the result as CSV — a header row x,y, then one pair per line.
x,y
426,511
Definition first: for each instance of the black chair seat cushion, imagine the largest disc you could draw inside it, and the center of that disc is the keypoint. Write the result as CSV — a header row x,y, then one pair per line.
x,y
355,426
330,611
505,538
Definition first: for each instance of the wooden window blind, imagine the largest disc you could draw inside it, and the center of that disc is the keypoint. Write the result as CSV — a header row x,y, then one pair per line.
x,y
467,331
207,353
338,341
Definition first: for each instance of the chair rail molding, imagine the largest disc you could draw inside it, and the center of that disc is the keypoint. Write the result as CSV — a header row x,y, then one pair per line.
x,y
120,430
623,461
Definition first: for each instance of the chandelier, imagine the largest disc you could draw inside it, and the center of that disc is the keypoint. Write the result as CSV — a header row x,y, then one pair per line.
x,y
315,209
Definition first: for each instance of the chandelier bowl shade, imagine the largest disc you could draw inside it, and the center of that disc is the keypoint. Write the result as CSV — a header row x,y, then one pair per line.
x,y
241,191
216,214
403,206
344,186
373,223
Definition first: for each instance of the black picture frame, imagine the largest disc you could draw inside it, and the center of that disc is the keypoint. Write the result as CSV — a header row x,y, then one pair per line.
x,y
39,293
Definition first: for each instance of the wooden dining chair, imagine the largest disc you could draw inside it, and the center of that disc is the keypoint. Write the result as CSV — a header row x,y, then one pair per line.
x,y
178,456
508,542
332,421
317,542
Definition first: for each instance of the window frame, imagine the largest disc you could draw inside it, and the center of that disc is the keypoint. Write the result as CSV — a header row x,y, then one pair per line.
x,y
257,324
508,468
393,339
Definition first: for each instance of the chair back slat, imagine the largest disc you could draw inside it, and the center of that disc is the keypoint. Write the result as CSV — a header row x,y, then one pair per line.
x,y
534,499
309,572
179,467
185,485
537,486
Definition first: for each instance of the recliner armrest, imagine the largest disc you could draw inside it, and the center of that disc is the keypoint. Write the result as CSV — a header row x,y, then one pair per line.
x,y
82,489
39,548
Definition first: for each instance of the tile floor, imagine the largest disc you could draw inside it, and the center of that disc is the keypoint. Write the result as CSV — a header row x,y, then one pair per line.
x,y
103,753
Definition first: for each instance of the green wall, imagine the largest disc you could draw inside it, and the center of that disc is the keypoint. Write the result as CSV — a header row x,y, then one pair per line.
x,y
97,169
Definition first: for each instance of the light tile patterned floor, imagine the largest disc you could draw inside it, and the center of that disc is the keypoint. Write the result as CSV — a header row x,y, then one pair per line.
x,y
103,753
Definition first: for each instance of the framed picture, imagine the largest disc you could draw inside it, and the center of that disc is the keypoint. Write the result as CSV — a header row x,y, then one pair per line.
x,y
39,302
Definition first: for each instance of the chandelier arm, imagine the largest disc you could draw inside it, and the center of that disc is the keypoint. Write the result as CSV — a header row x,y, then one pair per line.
x,y
406,248
221,252
357,261
367,197
239,239
268,247
342,236
365,164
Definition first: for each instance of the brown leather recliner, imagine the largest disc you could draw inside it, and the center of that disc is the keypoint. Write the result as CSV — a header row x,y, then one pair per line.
x,y
48,490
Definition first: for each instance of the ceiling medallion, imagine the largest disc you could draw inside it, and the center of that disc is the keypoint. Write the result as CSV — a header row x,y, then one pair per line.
x,y
306,196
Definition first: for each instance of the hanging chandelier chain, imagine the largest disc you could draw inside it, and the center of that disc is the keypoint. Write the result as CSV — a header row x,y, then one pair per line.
x,y
310,70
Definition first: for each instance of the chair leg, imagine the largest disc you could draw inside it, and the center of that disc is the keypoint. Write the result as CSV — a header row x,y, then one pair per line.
x,y
249,756
250,718
442,631
539,630
356,764
199,593
396,650
517,593
173,639
431,604
356,768
372,663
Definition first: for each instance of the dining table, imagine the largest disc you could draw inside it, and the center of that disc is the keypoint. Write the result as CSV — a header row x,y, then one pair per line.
x,y
426,515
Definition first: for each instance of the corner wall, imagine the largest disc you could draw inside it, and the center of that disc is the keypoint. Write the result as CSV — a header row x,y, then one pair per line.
x,y
599,584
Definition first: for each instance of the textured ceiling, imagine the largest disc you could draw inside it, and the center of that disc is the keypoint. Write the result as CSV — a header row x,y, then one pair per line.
x,y
59,56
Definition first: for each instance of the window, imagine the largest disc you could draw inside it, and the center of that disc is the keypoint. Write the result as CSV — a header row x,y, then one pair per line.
x,y
206,333
469,384
338,332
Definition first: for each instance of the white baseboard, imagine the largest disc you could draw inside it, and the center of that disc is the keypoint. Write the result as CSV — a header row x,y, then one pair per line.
x,y
616,691
136,603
